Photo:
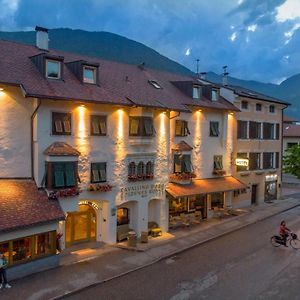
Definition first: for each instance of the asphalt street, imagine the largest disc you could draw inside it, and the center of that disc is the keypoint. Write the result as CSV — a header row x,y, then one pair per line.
x,y
240,265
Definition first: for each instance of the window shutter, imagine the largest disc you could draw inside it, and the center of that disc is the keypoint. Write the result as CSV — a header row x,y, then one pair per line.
x,y
178,126
148,126
67,126
187,131
49,175
187,163
177,164
70,174
59,180
277,131
102,124
95,127
134,126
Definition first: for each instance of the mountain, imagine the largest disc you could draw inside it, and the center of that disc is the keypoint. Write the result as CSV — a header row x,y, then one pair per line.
x,y
118,48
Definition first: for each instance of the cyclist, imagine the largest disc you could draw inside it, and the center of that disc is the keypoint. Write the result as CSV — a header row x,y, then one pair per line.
x,y
284,232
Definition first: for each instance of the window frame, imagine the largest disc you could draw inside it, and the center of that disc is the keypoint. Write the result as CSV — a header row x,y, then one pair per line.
x,y
98,164
211,131
258,105
256,163
87,80
218,162
198,93
97,119
214,92
61,117
244,105
240,129
272,109
141,126
184,129
47,68
184,164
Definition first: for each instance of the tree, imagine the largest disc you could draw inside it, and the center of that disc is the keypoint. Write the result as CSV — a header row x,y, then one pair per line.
x,y
291,161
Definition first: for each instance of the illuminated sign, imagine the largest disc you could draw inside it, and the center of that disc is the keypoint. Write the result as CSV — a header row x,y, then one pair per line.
x,y
243,162
93,204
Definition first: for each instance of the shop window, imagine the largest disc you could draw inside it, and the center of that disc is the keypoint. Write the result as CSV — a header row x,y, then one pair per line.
x,y
22,249
268,129
217,200
254,161
61,123
98,172
218,162
61,174
254,130
182,163
242,129
258,107
89,74
122,216
4,249
98,125
178,206
242,156
214,128
181,128
44,243
244,105
141,126
53,69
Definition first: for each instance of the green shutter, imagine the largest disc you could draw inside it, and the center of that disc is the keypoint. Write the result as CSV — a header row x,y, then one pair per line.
x,y
70,174
59,175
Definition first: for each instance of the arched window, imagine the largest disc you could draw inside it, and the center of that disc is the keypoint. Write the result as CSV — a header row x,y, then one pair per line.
x,y
131,169
141,169
149,168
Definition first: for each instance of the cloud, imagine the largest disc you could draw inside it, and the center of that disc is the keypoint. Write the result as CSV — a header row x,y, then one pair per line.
x,y
7,12
289,10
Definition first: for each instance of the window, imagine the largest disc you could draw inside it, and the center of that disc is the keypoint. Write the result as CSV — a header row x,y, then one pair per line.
x,y
242,130
61,123
254,130
272,109
258,107
181,128
98,172
98,125
140,169
141,126
28,248
268,160
277,134
89,74
217,200
243,156
61,174
218,162
131,169
53,69
268,129
122,216
182,163
291,145
155,84
244,105
214,129
196,92
254,161
214,95
149,169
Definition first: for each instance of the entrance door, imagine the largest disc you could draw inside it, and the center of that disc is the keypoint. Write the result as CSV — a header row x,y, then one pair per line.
x,y
81,226
271,191
254,194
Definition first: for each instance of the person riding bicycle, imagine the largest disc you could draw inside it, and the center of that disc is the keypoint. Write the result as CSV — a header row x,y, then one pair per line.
x,y
284,232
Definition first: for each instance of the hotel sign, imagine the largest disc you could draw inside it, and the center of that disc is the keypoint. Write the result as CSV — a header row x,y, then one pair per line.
x,y
142,191
242,162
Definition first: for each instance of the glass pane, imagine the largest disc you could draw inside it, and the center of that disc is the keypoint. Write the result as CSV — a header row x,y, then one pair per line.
x,y
196,94
53,69
68,229
44,243
178,126
22,249
214,95
102,174
95,174
89,75
148,126
122,216
177,164
80,226
134,126
95,127
103,126
4,249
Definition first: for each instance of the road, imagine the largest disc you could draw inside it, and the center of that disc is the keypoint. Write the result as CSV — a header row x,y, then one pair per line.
x,y
240,265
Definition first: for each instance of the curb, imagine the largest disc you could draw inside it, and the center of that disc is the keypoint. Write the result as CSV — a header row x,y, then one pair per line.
x,y
69,293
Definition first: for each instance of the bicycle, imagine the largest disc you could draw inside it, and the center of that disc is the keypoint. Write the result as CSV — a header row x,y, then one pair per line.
x,y
293,240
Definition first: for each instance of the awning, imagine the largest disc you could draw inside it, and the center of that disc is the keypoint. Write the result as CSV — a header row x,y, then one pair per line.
x,y
205,186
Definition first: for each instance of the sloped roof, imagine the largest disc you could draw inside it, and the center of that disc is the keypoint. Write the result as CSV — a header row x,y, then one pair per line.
x,y
241,91
291,130
182,146
23,205
119,83
61,149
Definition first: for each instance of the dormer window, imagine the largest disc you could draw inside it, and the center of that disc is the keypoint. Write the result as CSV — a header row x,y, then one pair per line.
x,y
89,74
53,69
214,95
196,92
155,84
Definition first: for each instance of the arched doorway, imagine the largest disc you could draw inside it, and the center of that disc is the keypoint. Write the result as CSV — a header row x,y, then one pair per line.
x,y
81,226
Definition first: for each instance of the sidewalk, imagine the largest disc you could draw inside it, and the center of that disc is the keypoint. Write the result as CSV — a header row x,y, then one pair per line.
x,y
105,263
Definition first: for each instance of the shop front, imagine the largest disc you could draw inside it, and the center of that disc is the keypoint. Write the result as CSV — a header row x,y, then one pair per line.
x,y
189,204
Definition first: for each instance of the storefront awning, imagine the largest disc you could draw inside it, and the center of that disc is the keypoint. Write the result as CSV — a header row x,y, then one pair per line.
x,y
205,186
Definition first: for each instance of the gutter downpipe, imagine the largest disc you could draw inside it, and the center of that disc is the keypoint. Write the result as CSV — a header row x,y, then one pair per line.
x,y
31,138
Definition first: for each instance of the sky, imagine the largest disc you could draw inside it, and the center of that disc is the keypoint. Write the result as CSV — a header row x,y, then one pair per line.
x,y
256,39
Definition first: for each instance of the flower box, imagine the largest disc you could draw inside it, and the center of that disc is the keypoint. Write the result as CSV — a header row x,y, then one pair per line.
x,y
71,192
140,177
182,178
98,187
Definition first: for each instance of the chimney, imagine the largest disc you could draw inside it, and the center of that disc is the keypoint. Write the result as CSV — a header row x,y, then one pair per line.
x,y
203,75
42,39
225,76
